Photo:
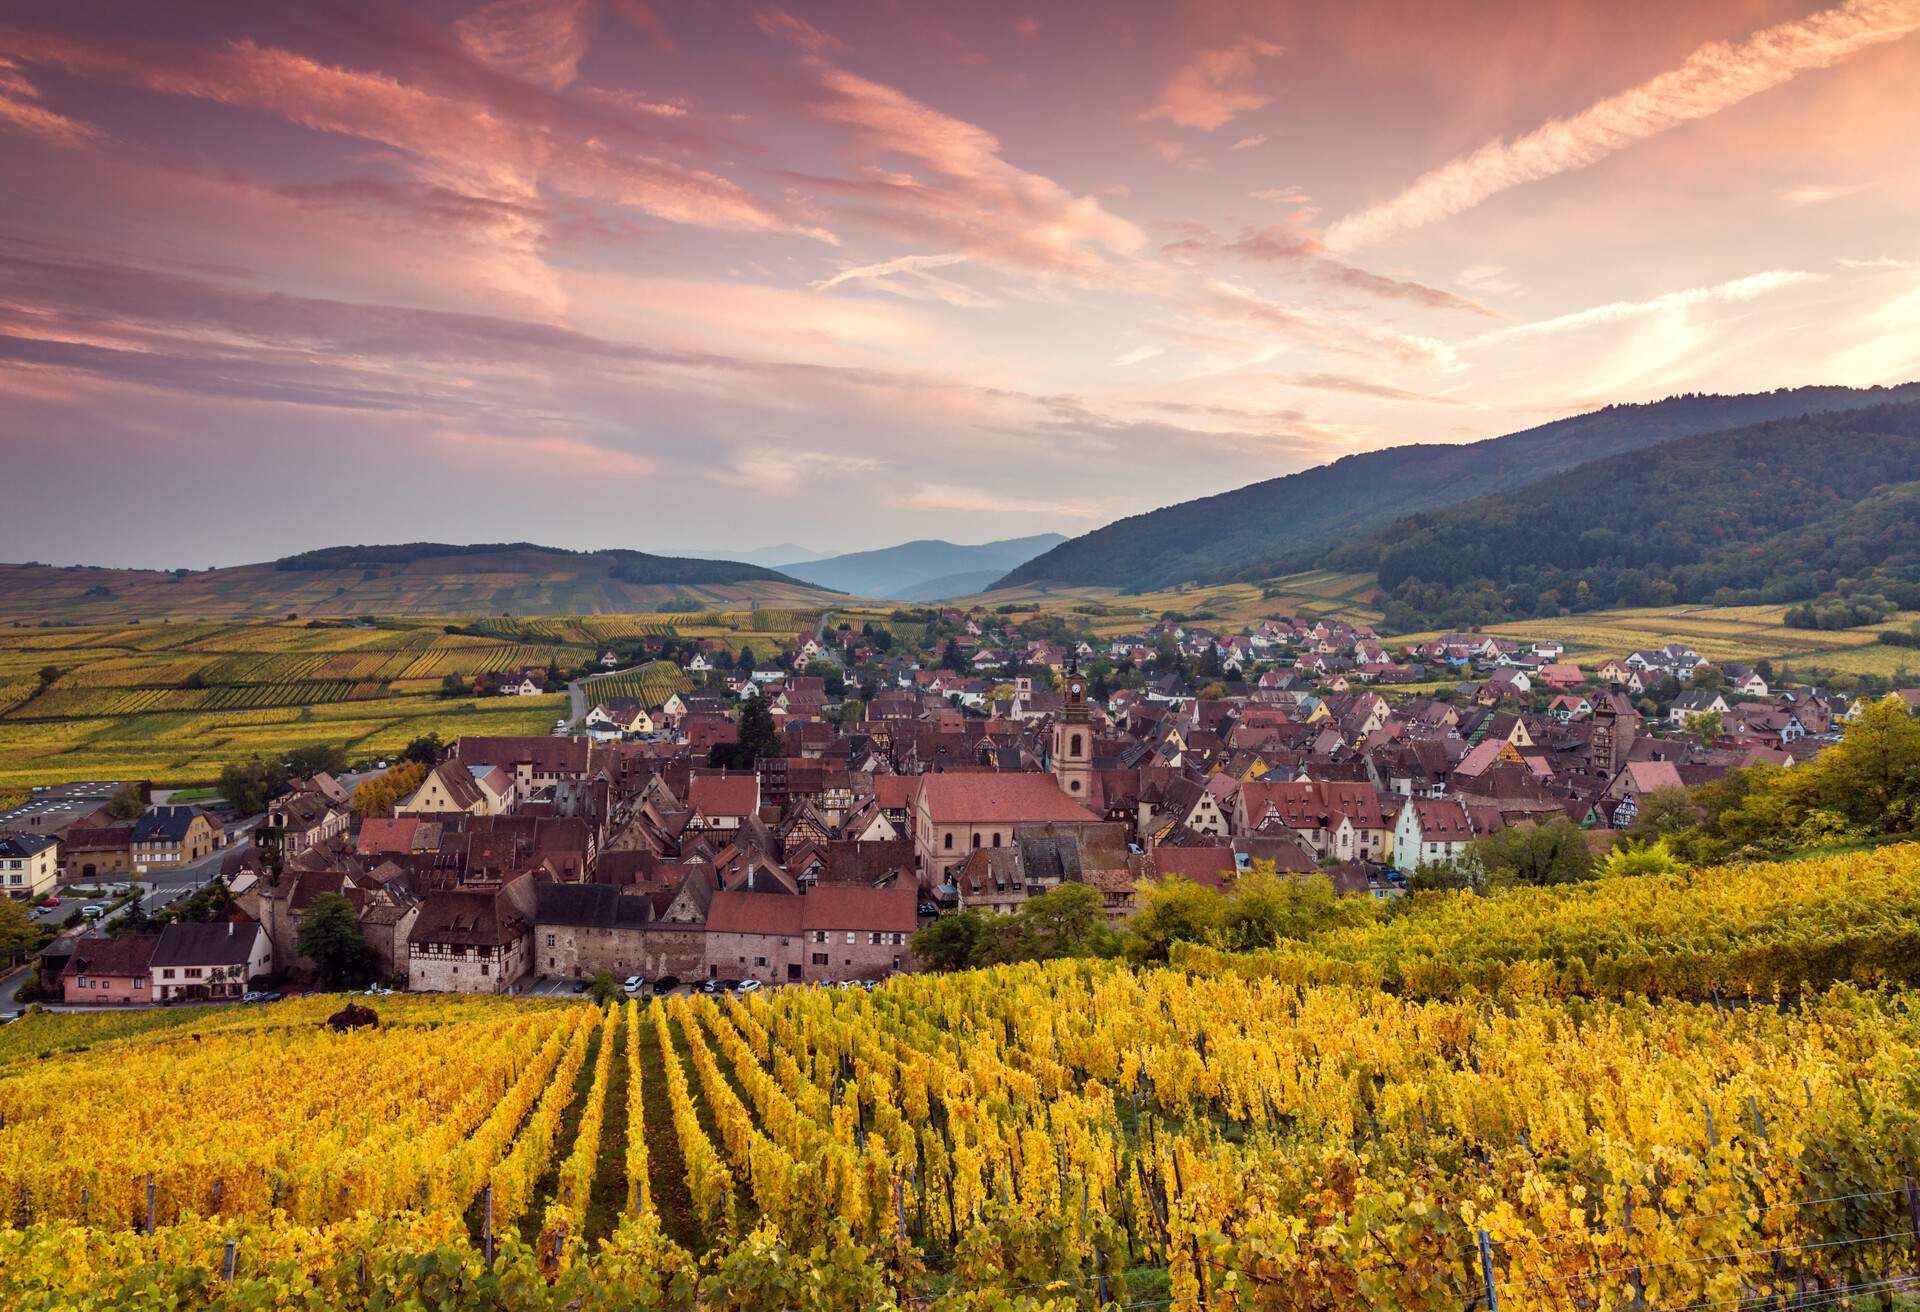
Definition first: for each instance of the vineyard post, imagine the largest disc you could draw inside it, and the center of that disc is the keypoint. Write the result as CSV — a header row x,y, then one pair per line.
x,y
486,1241
226,1262
1486,1272
1639,1284
900,1211
1759,1124
1913,1214
1712,1140
83,1202
149,1203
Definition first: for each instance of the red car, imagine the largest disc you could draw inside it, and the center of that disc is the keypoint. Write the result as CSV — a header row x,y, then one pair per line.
x,y
49,901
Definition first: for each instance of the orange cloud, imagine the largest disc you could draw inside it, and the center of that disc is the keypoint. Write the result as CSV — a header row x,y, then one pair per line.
x,y
1210,89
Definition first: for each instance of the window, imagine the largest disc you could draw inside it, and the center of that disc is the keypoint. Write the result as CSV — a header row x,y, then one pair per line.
x,y
819,936
976,842
140,983
849,937
1073,746
949,843
873,939
549,940
819,958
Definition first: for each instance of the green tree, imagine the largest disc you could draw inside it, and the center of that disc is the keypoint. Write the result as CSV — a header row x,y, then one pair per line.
x,y
1069,920
126,802
1651,857
955,941
425,749
19,935
1265,907
1705,725
1172,910
252,783
759,735
605,988
1552,853
1664,812
330,935
321,758
453,685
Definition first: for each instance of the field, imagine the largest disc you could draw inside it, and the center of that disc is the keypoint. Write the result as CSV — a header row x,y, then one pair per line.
x,y
175,702
1227,605
1047,1136
651,684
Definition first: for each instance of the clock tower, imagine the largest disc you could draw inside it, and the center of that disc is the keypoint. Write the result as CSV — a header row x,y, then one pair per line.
x,y
1073,738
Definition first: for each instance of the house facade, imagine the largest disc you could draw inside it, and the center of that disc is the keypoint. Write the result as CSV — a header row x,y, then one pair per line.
x,y
29,866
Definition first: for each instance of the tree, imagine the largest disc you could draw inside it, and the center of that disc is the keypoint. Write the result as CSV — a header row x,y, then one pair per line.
x,y
605,988
323,758
1552,853
1069,920
759,735
453,685
1212,691
1265,907
1172,910
126,802
1705,725
953,942
1709,678
252,783
952,658
380,795
48,675
1647,858
330,935
19,936
1664,812
425,749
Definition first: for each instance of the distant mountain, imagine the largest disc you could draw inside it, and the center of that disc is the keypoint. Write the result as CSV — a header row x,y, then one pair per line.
x,y
925,570
1787,511
417,578
1288,523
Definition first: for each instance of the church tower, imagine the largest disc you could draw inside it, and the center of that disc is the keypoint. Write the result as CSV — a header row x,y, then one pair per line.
x,y
1602,744
1073,738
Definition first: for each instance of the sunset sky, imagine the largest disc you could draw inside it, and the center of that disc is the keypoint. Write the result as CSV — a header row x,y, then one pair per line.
x,y
634,273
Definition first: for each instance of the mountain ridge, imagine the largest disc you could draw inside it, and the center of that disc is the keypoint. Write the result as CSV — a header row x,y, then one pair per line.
x,y
1293,521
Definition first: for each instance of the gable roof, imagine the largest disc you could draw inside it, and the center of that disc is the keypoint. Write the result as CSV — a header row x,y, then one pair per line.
x,y
223,943
1004,798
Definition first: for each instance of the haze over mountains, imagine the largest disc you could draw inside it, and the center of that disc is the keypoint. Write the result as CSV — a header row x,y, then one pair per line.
x,y
926,570
1289,523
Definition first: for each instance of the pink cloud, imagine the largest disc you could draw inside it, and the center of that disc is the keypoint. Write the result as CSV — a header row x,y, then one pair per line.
x,y
540,40
798,32
1210,89
20,110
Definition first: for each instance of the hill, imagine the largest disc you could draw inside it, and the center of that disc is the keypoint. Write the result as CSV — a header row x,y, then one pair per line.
x,y
421,578
925,570
1790,510
1289,523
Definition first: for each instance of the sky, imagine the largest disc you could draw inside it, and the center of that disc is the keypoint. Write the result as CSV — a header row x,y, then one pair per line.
x,y
632,273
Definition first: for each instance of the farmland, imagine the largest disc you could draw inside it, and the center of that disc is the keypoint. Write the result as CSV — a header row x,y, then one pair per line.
x,y
651,684
1538,1089
175,702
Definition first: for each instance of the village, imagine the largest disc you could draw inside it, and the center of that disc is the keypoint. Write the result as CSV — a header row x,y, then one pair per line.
x,y
794,819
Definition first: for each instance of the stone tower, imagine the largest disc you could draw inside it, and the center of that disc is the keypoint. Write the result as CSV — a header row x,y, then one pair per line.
x,y
1073,738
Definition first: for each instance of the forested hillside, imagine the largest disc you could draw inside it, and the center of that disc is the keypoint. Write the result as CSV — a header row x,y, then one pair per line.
x,y
1786,511
1291,523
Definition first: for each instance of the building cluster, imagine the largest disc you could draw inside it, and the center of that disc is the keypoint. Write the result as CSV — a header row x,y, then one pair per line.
x,y
905,781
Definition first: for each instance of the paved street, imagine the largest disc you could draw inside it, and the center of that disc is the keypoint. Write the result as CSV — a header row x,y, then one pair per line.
x,y
162,887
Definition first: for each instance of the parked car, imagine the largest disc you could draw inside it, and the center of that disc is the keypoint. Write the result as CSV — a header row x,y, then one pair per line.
x,y
748,986
634,984
665,985
93,911
49,901
581,985
710,986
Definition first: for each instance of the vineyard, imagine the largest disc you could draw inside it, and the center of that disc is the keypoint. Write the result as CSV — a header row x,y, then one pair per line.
x,y
651,684
175,702
1065,1134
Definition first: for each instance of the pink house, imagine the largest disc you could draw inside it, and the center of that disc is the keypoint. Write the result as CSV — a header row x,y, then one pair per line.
x,y
106,971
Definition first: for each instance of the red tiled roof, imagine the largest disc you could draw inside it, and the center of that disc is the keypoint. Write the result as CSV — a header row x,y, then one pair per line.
x,y
754,913
848,906
1009,798
730,794
379,836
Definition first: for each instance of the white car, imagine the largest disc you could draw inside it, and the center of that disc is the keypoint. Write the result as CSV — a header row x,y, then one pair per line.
x,y
749,986
93,912
633,984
